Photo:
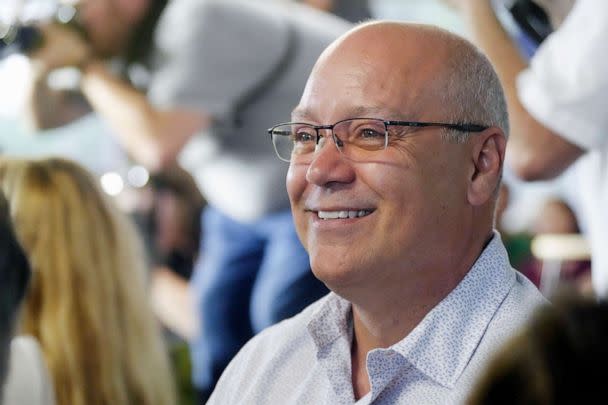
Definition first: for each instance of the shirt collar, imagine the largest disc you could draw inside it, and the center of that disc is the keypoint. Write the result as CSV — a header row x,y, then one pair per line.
x,y
441,345
330,321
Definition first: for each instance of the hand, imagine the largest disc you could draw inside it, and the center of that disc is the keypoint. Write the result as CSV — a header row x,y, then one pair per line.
x,y
61,46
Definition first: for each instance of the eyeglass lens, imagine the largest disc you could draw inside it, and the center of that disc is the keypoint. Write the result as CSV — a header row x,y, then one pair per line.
x,y
353,137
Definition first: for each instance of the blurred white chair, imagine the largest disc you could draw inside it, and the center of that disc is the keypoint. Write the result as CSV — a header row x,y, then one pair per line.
x,y
552,250
27,381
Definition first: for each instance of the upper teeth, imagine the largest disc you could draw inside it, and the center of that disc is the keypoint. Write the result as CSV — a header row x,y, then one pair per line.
x,y
342,214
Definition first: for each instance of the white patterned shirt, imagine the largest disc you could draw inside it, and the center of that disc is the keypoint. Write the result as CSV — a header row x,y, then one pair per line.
x,y
307,359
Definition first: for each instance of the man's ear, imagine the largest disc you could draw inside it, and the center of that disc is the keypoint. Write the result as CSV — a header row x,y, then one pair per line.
x,y
488,156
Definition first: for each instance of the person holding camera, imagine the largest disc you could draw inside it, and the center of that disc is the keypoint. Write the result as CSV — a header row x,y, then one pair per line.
x,y
352,10
557,106
203,79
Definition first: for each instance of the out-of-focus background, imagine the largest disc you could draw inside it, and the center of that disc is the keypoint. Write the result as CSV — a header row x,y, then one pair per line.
x,y
527,211
86,142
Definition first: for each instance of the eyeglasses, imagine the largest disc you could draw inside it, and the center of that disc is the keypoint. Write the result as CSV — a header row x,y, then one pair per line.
x,y
354,137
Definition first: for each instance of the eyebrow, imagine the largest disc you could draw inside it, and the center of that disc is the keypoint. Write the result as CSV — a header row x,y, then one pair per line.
x,y
300,114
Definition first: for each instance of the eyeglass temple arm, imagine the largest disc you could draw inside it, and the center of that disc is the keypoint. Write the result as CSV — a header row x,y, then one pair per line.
x,y
458,127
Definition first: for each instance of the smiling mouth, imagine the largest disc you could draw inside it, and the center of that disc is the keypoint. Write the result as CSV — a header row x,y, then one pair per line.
x,y
346,214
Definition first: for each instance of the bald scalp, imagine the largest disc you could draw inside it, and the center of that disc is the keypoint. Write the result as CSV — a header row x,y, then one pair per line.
x,y
455,76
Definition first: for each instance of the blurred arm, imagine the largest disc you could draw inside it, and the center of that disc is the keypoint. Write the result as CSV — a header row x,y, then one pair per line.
x,y
152,136
173,304
47,108
534,151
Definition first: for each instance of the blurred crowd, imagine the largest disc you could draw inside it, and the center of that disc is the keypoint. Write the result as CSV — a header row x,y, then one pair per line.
x,y
146,293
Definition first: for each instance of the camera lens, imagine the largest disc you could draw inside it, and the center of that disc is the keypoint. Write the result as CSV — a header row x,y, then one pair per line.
x,y
19,39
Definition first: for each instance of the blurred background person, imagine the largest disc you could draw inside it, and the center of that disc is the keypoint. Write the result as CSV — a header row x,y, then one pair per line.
x,y
174,220
557,105
352,10
167,211
24,379
557,218
541,249
206,92
87,302
558,358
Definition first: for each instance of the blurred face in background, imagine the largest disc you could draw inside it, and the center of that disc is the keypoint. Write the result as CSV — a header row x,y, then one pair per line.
x,y
109,23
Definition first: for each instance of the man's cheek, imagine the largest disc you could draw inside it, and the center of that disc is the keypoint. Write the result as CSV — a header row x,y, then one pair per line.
x,y
295,183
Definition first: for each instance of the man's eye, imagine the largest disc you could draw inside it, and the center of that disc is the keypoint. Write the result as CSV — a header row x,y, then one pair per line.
x,y
304,137
370,133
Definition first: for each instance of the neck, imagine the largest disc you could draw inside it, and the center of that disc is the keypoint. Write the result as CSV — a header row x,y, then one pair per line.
x,y
383,321
385,314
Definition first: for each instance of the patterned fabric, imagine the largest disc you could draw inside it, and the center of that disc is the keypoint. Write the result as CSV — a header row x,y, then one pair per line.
x,y
306,359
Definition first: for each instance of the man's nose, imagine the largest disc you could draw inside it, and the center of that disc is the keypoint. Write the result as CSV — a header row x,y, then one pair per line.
x,y
329,165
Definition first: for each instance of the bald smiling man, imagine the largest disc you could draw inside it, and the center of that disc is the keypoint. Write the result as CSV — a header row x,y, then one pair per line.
x,y
396,152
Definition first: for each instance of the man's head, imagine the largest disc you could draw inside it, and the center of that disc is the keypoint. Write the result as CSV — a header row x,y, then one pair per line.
x,y
110,24
424,204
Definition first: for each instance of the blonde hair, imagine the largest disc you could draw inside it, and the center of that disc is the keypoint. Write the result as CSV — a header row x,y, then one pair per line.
x,y
86,304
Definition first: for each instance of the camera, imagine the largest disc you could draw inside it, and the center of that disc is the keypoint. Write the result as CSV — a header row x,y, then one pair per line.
x,y
532,19
22,35
525,21
19,39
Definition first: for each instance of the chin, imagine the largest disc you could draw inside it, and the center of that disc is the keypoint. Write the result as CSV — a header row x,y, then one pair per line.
x,y
335,275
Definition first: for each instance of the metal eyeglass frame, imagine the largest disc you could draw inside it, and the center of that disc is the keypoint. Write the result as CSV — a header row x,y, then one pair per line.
x,y
465,127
